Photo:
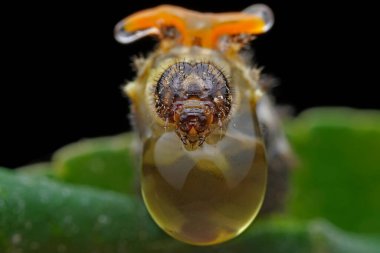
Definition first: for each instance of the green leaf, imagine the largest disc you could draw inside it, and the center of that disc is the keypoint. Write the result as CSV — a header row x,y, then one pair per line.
x,y
339,167
43,215
107,162
37,170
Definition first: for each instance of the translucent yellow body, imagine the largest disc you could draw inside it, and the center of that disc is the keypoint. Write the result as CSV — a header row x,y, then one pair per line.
x,y
211,194
201,198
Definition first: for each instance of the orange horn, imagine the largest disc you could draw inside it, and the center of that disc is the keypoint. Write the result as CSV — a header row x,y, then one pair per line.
x,y
195,28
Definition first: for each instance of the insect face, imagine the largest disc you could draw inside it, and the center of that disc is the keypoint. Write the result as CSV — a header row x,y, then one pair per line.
x,y
195,97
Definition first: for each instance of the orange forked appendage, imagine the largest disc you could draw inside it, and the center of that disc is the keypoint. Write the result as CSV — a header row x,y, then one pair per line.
x,y
195,28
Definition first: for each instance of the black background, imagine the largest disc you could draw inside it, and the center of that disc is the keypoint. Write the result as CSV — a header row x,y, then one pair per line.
x,y
62,70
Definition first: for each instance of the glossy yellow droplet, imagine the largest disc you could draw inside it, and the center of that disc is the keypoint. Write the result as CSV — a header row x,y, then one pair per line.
x,y
206,196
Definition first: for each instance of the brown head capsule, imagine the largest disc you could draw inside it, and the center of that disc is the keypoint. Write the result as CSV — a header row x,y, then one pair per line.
x,y
194,97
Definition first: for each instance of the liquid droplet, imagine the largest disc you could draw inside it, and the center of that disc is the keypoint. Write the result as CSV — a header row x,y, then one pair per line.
x,y
262,11
125,37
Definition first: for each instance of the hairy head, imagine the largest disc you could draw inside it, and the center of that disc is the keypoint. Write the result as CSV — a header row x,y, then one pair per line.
x,y
193,97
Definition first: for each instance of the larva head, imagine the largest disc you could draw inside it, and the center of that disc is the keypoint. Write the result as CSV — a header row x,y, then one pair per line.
x,y
195,97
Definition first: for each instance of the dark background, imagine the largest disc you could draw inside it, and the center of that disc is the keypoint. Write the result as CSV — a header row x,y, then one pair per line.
x,y
62,70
